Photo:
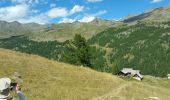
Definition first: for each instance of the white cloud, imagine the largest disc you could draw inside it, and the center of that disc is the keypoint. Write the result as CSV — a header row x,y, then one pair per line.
x,y
117,19
40,19
87,19
37,1
155,1
13,13
91,17
57,12
100,13
25,1
20,13
67,20
18,1
64,12
52,5
76,9
34,11
93,1
23,12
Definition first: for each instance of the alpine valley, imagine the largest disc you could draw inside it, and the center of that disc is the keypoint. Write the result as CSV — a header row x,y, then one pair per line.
x,y
140,41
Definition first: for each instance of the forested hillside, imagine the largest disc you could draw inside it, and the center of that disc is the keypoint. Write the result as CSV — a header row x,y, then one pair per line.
x,y
56,50
50,49
144,46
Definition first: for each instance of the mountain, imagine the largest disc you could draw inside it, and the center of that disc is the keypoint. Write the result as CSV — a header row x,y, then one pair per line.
x,y
101,22
66,31
51,32
160,14
8,29
144,46
44,79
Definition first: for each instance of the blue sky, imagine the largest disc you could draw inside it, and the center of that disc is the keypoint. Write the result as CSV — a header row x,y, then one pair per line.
x,y
57,11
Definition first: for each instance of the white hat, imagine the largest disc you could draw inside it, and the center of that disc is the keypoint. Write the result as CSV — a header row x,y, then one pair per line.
x,y
4,85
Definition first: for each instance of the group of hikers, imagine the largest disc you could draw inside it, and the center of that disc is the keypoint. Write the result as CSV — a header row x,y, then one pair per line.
x,y
7,86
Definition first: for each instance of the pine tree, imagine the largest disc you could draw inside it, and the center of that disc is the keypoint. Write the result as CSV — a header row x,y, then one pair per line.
x,y
78,51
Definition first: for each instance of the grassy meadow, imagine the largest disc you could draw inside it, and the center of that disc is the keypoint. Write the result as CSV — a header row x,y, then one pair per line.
x,y
44,79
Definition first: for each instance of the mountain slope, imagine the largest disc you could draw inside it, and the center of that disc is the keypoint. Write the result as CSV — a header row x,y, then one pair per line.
x,y
160,14
49,80
51,32
8,29
66,31
144,46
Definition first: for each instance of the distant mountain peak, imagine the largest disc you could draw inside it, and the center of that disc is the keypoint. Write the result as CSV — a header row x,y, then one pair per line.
x,y
99,22
156,14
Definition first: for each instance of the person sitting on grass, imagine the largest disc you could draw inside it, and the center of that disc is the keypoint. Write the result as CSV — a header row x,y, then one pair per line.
x,y
6,86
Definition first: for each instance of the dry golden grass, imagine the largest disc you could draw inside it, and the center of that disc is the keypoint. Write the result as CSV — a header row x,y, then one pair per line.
x,y
49,80
44,79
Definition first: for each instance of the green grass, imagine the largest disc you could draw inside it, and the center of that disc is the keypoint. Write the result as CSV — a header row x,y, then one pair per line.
x,y
44,79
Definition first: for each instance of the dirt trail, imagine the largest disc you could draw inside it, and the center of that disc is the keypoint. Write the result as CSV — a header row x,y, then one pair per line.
x,y
113,93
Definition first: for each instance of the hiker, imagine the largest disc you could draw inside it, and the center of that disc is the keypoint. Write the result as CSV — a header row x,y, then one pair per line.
x,y
6,86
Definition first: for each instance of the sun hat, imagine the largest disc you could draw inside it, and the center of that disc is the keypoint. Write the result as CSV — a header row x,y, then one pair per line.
x,y
4,87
